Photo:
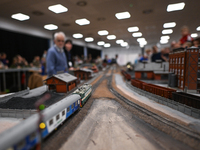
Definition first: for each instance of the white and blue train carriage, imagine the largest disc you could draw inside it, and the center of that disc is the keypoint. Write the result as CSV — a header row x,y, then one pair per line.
x,y
25,135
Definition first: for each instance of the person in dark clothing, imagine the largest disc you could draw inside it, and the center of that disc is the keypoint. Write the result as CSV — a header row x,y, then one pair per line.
x,y
68,46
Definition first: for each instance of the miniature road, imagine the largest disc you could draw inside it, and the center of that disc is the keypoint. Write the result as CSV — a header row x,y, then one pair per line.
x,y
109,126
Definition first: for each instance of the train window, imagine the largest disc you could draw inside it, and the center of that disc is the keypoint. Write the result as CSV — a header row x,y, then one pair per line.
x,y
58,117
21,144
76,104
51,122
32,136
68,109
63,112
72,106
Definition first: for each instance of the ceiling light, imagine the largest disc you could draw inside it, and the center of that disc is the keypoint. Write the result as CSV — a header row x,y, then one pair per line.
x,y
164,41
89,39
169,25
123,15
165,37
51,27
82,21
119,41
103,32
167,31
77,35
124,44
133,29
143,42
198,28
141,39
175,7
107,45
101,43
137,34
194,35
111,37
20,16
58,8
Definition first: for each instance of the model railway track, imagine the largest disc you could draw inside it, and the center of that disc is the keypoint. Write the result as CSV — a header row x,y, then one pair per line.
x,y
187,131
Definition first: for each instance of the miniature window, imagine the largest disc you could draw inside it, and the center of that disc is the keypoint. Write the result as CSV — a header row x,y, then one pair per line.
x,y
63,113
72,106
76,104
58,117
183,60
51,122
68,109
182,72
21,144
32,136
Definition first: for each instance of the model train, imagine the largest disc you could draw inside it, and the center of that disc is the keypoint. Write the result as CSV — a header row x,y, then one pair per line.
x,y
126,75
26,134
181,97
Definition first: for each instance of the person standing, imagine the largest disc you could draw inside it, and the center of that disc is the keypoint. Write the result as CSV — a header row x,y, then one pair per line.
x,y
68,47
56,60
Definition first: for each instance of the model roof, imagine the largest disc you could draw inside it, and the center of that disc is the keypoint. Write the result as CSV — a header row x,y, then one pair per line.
x,y
66,77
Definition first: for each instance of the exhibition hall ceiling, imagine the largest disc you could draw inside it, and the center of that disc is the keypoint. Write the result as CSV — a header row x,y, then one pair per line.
x,y
148,15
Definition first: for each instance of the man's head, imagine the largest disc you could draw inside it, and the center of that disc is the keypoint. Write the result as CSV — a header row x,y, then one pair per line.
x,y
184,30
59,39
68,45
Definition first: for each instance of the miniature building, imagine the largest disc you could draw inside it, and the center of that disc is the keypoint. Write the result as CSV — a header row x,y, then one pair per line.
x,y
83,73
61,83
151,70
185,64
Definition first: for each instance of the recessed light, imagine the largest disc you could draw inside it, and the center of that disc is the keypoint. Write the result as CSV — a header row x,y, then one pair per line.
x,y
167,31
141,39
89,39
58,8
100,43
198,28
194,35
164,41
20,17
119,41
165,37
82,22
122,15
133,29
103,32
175,7
111,37
77,35
124,44
107,45
51,27
137,34
169,25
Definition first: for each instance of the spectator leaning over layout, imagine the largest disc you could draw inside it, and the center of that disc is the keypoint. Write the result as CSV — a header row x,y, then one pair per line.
x,y
56,60
186,37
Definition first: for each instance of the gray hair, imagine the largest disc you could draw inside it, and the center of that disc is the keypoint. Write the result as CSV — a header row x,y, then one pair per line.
x,y
59,33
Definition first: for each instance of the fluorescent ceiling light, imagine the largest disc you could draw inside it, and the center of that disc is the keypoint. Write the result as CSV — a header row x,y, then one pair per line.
x,y
51,27
124,44
103,32
167,31
141,39
164,41
133,29
101,43
20,16
169,25
82,22
119,41
111,37
198,28
137,34
107,45
143,43
175,7
89,39
194,35
58,8
77,35
165,37
123,15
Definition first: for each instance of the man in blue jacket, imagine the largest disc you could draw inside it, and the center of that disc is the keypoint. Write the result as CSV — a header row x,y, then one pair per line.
x,y
56,59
